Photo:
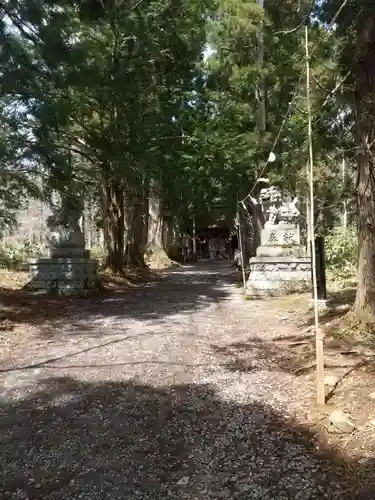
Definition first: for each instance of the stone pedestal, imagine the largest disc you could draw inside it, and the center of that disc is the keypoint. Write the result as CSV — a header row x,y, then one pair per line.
x,y
275,276
281,265
68,269
63,275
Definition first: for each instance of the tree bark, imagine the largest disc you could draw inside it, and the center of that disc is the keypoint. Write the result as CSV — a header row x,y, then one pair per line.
x,y
114,224
155,229
135,223
257,219
365,115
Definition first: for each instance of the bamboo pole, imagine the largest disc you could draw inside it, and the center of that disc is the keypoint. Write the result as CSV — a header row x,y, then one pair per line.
x,y
241,248
345,211
320,390
261,88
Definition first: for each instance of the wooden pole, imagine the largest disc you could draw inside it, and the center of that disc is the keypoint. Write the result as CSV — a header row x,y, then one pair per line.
x,y
241,248
194,238
320,391
261,89
308,213
345,211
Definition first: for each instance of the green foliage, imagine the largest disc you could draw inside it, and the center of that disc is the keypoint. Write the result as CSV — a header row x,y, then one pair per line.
x,y
99,99
17,179
104,88
341,250
15,256
98,254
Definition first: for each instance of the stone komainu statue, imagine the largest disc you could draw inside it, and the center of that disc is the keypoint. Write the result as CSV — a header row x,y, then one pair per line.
x,y
64,229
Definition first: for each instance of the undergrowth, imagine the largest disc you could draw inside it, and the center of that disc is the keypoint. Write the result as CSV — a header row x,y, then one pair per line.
x,y
15,256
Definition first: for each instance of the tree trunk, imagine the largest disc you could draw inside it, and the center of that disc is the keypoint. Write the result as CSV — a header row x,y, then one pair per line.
x,y
114,224
135,223
155,229
146,212
257,220
365,115
194,236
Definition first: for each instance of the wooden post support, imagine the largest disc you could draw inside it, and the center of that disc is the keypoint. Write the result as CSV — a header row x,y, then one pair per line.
x,y
320,389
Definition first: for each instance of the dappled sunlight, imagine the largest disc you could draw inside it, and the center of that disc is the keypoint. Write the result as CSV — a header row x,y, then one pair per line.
x,y
130,440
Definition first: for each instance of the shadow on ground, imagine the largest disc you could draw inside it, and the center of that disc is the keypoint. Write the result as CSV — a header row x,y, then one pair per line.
x,y
301,306
293,354
339,303
350,343
71,439
183,290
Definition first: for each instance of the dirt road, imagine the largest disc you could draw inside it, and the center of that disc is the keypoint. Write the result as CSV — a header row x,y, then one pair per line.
x,y
165,392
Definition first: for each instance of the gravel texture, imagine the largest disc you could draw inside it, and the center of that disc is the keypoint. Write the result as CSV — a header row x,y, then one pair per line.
x,y
141,396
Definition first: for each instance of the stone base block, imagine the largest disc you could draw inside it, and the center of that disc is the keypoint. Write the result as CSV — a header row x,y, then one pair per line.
x,y
69,253
290,251
63,276
276,276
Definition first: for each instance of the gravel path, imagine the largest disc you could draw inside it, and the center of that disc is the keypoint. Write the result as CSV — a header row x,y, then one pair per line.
x,y
146,396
